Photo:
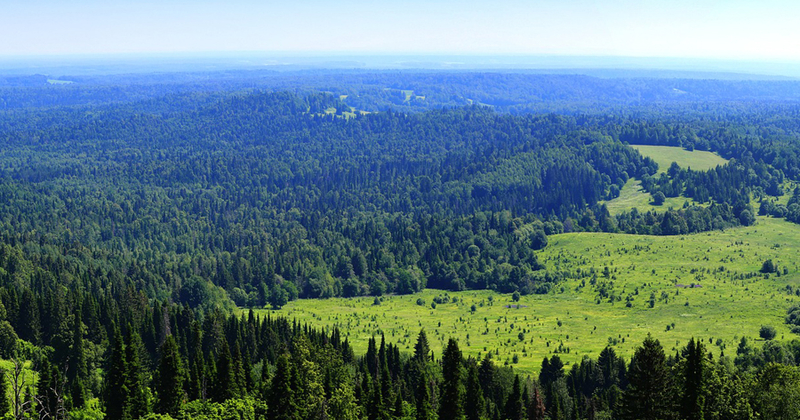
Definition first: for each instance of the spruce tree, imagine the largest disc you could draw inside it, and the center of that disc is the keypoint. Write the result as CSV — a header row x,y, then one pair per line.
x,y
423,397
514,406
694,373
281,404
169,385
116,388
371,358
648,396
422,350
473,406
138,404
77,354
376,409
226,384
49,394
451,407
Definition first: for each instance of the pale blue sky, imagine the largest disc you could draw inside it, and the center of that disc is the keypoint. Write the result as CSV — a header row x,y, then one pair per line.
x,y
732,29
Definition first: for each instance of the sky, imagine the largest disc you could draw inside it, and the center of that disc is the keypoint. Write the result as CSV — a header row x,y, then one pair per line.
x,y
729,29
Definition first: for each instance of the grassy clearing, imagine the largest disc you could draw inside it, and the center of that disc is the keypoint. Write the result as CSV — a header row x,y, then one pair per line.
x,y
633,196
575,321
664,156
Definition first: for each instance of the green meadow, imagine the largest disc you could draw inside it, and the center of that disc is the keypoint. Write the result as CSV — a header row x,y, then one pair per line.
x,y
632,196
607,302
697,160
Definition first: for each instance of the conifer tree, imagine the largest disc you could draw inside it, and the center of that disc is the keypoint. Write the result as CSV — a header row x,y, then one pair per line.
x,y
474,404
116,388
169,385
422,350
137,403
281,403
451,406
514,406
694,373
371,358
536,408
376,409
49,396
648,396
226,382
77,362
423,397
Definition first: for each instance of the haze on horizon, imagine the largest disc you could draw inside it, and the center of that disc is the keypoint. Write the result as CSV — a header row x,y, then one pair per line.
x,y
733,30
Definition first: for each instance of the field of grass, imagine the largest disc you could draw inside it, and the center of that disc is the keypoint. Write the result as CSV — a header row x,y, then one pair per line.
x,y
632,195
664,156
580,318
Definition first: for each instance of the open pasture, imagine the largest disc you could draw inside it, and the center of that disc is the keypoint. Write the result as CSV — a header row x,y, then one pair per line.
x,y
704,285
698,160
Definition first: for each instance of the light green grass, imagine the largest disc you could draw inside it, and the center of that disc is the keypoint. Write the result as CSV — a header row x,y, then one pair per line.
x,y
697,160
633,196
31,377
724,308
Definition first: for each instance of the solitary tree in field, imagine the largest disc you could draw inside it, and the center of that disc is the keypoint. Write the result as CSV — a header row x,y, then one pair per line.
x,y
659,198
767,332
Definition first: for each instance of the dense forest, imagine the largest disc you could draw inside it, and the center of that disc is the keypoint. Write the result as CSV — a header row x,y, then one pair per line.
x,y
273,196
136,215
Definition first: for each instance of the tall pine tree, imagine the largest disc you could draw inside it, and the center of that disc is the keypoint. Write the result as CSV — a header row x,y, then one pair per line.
x,y
451,407
116,387
169,385
281,403
649,393
694,373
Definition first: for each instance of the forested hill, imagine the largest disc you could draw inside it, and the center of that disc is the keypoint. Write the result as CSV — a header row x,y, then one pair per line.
x,y
413,91
273,196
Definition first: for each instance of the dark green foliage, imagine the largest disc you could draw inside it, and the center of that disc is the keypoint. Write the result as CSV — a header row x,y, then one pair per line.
x,y
451,405
648,396
695,377
423,398
515,408
169,383
474,403
767,332
8,340
659,198
116,384
281,402
422,351
137,403
768,267
226,383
